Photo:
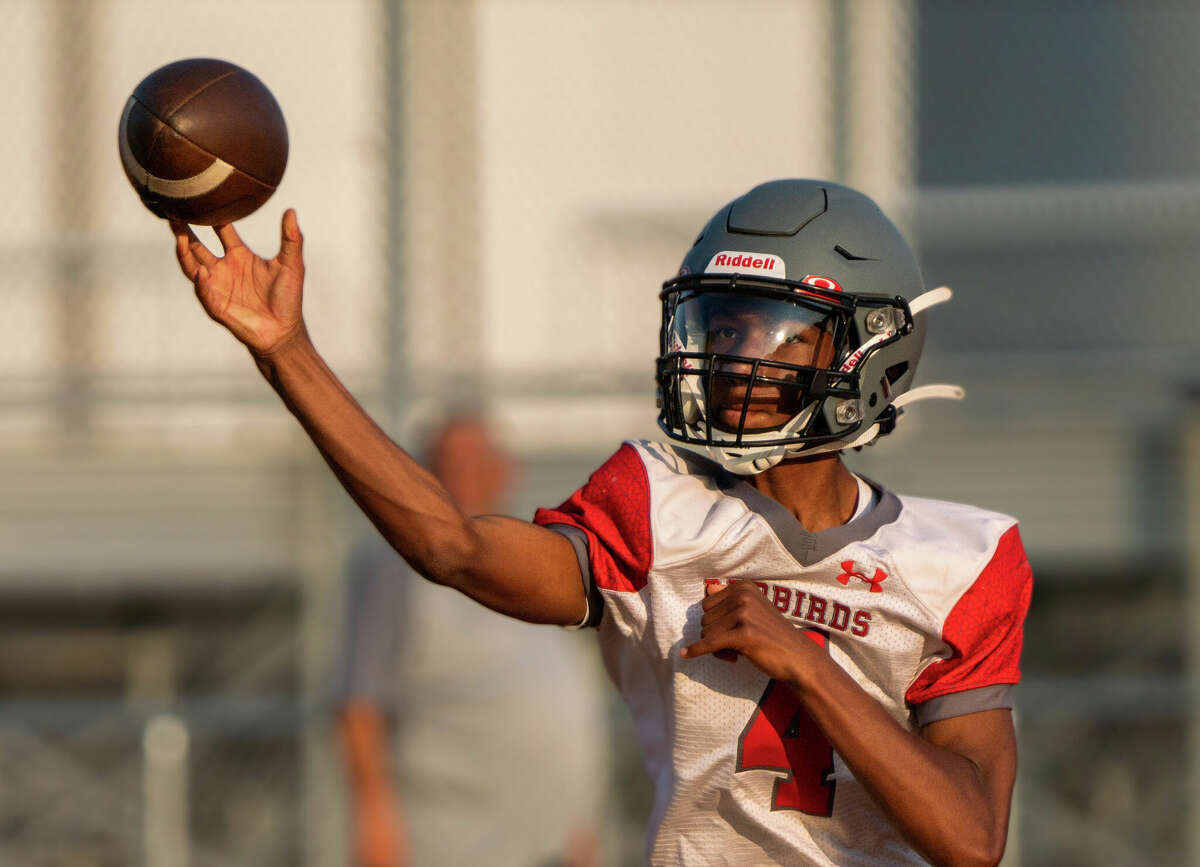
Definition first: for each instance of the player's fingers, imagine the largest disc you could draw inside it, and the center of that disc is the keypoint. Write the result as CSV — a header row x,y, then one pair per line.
x,y
723,643
721,605
187,260
179,228
716,595
200,282
291,241
228,236
199,250
725,609
190,250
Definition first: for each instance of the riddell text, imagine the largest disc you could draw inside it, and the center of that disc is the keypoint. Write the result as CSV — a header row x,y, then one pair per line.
x,y
798,605
745,261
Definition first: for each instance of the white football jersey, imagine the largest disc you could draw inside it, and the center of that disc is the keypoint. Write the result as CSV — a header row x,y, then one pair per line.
x,y
921,601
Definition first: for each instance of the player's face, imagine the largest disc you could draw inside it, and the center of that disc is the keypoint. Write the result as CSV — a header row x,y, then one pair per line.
x,y
773,331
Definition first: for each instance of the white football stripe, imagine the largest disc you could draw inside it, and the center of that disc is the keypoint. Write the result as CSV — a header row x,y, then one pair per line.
x,y
181,188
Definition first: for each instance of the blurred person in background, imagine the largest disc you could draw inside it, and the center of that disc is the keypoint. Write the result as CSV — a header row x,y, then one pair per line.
x,y
821,671
468,738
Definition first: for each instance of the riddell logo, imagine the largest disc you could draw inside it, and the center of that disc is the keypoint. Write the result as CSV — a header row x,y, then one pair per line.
x,y
735,262
852,362
848,572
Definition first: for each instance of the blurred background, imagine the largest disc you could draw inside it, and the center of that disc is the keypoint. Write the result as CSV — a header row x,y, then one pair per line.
x,y
492,192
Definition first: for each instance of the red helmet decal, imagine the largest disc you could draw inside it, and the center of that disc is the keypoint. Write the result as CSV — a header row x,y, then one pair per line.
x,y
820,282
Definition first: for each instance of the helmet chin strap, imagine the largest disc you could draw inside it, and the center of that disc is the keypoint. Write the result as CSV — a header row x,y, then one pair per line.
x,y
747,460
925,392
754,461
927,299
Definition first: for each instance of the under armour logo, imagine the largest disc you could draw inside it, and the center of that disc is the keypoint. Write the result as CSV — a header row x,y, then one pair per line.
x,y
849,572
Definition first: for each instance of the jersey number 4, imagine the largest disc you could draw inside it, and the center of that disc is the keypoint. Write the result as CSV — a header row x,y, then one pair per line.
x,y
781,736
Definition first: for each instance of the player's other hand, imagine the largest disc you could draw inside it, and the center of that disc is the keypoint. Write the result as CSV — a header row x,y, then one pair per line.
x,y
738,618
257,299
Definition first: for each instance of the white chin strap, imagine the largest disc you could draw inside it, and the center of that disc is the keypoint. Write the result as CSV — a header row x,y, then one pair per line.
x,y
746,460
925,392
927,299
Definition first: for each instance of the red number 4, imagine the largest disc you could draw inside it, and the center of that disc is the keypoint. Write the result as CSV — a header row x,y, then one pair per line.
x,y
781,736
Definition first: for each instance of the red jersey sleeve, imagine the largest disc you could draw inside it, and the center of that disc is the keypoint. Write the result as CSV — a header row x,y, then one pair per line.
x,y
984,629
613,512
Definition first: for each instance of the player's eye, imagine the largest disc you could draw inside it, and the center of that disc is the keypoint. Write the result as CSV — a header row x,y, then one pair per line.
x,y
805,335
725,332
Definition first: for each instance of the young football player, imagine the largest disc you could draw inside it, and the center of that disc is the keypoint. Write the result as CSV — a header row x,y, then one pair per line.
x,y
820,670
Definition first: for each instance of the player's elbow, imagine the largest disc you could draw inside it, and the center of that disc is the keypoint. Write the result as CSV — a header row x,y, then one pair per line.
x,y
989,858
984,850
458,560
449,565
445,552
993,839
964,844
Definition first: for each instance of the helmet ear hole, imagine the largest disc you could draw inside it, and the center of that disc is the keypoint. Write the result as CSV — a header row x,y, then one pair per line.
x,y
894,373
874,399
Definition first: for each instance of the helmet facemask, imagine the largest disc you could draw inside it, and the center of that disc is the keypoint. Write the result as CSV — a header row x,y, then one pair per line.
x,y
757,369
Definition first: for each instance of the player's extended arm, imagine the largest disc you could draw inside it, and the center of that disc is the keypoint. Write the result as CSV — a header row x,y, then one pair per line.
x,y
948,790
379,838
511,566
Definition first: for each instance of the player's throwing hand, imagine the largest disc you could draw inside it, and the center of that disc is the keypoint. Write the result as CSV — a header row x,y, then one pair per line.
x,y
258,300
739,619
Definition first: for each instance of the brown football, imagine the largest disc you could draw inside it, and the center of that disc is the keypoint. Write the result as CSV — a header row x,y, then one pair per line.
x,y
203,141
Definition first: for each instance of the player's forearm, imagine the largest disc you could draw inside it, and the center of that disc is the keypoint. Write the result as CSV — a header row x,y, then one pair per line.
x,y
507,565
406,503
937,798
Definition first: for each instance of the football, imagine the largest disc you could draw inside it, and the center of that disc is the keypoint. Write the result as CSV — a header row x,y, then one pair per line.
x,y
203,141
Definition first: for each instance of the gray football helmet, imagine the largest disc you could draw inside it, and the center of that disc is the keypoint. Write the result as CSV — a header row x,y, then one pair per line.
x,y
789,330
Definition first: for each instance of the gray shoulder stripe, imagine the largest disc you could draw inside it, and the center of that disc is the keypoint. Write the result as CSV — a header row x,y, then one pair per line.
x,y
962,703
579,542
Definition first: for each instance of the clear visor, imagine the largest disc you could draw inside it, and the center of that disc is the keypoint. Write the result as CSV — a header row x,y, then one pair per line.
x,y
744,363
748,326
